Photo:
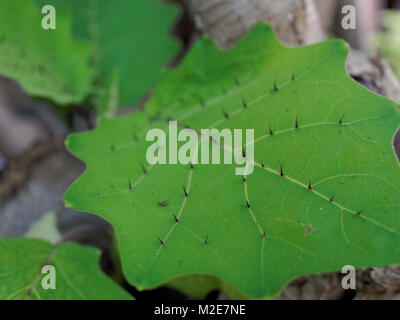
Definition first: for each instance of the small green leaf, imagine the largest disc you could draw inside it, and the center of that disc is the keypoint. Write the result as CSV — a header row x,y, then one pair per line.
x,y
77,273
325,191
130,43
47,63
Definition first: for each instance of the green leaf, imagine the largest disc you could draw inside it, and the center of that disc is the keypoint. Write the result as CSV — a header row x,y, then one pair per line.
x,y
325,188
77,273
130,43
45,228
47,63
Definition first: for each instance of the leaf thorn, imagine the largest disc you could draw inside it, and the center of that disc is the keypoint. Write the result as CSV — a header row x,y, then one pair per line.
x,y
275,86
341,120
237,82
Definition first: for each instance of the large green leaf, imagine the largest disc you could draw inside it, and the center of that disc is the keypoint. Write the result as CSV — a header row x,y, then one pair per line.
x,y
324,192
77,272
130,43
47,63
